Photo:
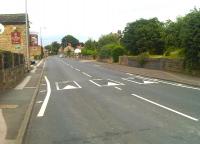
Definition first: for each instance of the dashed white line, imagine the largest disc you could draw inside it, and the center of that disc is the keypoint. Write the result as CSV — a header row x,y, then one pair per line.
x,y
44,105
118,88
77,69
86,74
167,108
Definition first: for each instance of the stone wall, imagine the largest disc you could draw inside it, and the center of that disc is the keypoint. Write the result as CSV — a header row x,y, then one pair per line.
x,y
5,39
174,65
12,70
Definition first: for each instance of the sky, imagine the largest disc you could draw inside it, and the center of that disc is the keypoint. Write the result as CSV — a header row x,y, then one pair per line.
x,y
86,19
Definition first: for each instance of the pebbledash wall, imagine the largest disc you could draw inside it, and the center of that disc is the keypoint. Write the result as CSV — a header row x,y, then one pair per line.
x,y
173,65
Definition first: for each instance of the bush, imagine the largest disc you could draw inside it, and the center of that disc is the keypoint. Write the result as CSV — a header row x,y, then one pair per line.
x,y
141,58
116,52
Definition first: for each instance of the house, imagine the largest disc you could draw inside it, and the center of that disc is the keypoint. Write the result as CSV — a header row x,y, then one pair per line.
x,y
14,37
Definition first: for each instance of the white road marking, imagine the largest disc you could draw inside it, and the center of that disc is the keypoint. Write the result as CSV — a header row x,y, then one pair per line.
x,y
145,81
38,102
170,83
68,86
34,69
39,63
3,128
167,108
95,83
118,88
44,105
23,83
43,91
77,69
129,74
43,84
119,83
86,74
30,87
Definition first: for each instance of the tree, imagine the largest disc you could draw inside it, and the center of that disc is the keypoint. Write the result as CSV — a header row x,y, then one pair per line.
x,y
144,35
108,39
90,44
69,39
191,39
55,47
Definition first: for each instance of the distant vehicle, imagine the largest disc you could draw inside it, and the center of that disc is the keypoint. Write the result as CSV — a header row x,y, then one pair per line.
x,y
61,56
32,62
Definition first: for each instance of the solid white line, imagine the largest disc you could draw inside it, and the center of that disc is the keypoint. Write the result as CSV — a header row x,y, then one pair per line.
x,y
167,108
118,88
44,105
23,83
95,83
86,74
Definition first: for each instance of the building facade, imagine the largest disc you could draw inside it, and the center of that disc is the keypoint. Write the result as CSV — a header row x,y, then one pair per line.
x,y
14,37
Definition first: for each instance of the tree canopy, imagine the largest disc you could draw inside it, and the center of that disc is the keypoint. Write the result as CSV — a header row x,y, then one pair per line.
x,y
69,39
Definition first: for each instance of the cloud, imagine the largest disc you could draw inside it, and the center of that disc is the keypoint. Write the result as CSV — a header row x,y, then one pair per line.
x,y
92,18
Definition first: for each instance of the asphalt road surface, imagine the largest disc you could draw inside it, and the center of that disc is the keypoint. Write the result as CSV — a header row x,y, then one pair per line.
x,y
83,103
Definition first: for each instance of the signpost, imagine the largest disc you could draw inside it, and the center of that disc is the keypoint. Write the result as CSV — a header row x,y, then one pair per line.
x,y
1,28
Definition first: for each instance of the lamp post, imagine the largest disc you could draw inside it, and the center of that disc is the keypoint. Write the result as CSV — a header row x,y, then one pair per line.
x,y
27,38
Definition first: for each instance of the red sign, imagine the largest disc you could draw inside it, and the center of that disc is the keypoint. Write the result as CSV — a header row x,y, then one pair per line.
x,y
16,37
33,40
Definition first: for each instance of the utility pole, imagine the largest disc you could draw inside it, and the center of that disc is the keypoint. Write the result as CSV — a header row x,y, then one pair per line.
x,y
27,38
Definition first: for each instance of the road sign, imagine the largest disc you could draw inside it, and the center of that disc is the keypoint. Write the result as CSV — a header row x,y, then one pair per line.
x,y
67,85
138,80
105,82
1,28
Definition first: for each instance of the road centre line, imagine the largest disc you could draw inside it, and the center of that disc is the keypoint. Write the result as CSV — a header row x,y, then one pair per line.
x,y
116,82
77,69
44,105
167,108
118,88
86,74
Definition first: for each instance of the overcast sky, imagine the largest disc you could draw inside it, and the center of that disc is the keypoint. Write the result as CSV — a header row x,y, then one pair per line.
x,y
91,18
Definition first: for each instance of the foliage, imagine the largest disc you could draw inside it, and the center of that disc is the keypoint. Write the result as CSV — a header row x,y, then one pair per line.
x,y
116,52
108,39
87,52
53,47
69,39
191,39
144,35
106,51
90,44
141,58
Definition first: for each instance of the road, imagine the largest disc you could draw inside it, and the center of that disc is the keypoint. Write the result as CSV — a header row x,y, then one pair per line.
x,y
81,102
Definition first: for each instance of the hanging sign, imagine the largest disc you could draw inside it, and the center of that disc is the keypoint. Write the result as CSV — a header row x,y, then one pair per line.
x,y
16,37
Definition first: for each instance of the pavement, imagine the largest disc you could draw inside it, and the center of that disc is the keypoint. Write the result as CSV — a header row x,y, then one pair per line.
x,y
66,101
14,104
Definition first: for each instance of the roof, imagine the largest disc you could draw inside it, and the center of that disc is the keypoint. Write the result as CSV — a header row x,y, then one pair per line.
x,y
12,18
